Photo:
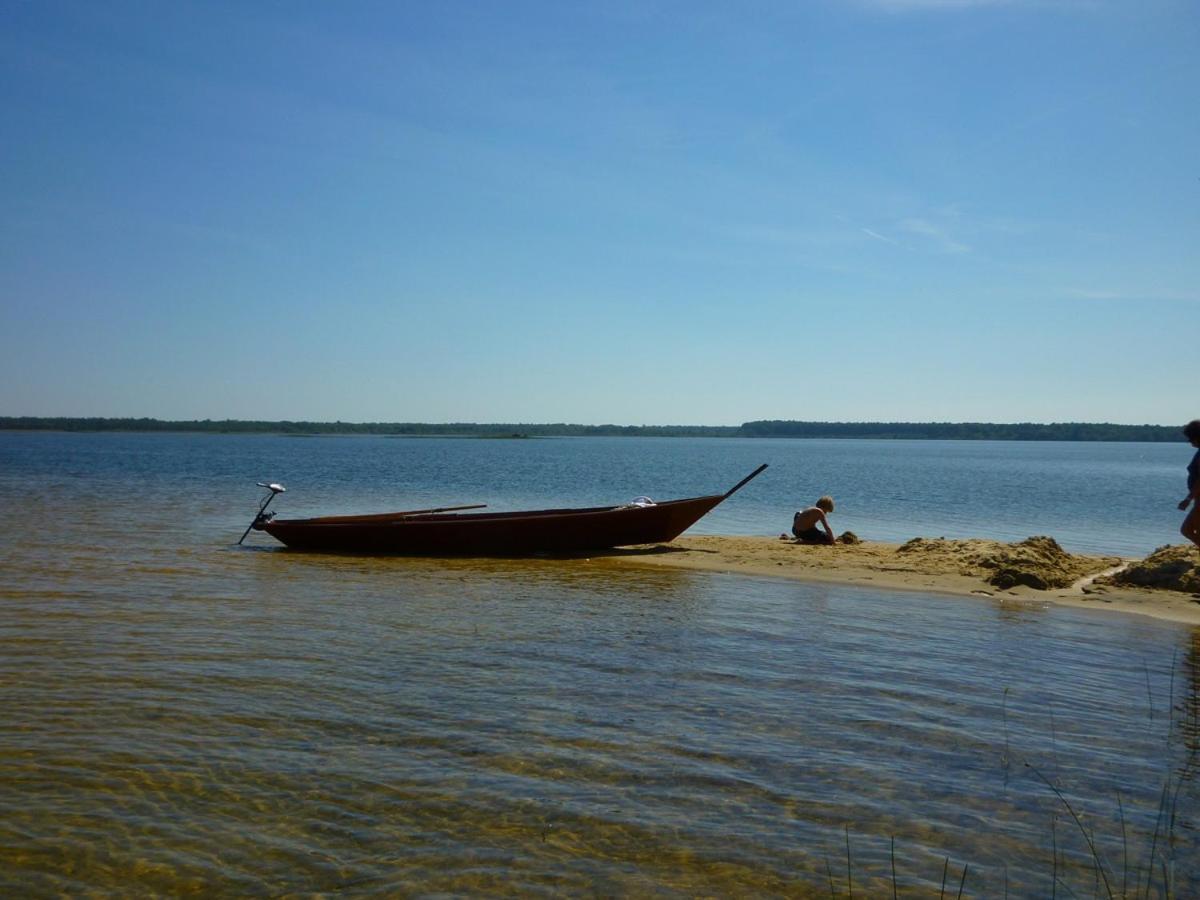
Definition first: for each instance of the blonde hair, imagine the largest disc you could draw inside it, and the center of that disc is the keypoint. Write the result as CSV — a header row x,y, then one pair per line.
x,y
825,503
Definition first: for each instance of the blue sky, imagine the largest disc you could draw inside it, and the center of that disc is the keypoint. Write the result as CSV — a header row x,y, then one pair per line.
x,y
641,213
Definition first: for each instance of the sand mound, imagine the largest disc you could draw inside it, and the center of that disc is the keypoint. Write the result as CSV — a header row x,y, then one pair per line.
x,y
1037,562
1171,568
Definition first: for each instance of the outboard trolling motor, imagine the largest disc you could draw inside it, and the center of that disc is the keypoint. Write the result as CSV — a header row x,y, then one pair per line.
x,y
263,516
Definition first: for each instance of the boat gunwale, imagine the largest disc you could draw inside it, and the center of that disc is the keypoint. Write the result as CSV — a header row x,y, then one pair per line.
x,y
381,520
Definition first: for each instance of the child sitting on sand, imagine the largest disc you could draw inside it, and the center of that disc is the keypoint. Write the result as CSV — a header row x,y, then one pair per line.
x,y
804,523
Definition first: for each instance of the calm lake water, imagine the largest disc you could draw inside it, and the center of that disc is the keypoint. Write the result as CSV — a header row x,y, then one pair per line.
x,y
183,715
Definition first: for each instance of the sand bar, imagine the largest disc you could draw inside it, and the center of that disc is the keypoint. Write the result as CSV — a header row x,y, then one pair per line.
x,y
973,568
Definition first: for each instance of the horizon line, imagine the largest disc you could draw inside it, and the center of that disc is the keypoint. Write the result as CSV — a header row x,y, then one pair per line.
x,y
548,424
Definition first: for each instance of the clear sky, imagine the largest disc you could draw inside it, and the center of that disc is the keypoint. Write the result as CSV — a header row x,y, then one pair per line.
x,y
631,212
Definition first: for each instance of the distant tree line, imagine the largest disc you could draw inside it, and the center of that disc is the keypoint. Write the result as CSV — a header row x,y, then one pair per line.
x,y
450,429
960,431
964,431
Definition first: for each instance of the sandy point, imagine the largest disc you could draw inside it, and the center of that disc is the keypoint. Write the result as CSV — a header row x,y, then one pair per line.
x,y
1034,570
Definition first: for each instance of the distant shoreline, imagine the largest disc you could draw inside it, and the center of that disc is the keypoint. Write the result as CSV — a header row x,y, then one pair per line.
x,y
985,431
1069,431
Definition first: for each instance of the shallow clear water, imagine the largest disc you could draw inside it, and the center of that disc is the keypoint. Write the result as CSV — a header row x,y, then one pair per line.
x,y
184,715
1103,498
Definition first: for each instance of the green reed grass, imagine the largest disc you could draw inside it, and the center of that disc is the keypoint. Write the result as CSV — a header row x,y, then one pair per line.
x,y
1153,875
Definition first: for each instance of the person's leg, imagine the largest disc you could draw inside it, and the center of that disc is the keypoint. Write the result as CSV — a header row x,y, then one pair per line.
x,y
1191,525
812,535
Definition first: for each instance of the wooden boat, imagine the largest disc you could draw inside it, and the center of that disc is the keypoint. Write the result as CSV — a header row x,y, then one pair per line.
x,y
450,532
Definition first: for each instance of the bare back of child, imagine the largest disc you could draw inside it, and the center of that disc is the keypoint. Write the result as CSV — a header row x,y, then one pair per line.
x,y
810,526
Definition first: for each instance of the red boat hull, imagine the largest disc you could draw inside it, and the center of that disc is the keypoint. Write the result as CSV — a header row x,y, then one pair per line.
x,y
495,534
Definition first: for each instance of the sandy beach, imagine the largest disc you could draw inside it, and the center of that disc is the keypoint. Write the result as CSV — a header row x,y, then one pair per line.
x,y
1032,571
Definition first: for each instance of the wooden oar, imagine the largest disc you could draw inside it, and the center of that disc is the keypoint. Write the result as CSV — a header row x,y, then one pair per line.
x,y
383,517
741,484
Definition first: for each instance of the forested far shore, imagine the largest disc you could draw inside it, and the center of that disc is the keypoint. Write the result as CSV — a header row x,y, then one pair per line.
x,y
965,431
960,431
410,429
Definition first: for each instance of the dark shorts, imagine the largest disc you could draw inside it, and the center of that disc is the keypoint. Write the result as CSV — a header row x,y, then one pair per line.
x,y
812,535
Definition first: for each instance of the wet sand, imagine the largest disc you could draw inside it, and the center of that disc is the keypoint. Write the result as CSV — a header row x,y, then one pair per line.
x,y
965,568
